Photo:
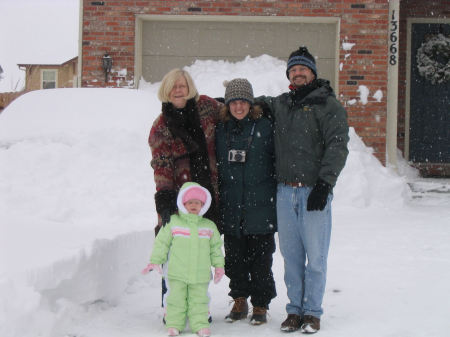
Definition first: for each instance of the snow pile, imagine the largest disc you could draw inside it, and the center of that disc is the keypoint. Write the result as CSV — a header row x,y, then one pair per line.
x,y
365,182
266,74
76,191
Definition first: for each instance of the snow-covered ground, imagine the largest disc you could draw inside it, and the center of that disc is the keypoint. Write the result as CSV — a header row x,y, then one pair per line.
x,y
77,216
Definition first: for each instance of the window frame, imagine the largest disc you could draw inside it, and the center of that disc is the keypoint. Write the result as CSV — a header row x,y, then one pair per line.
x,y
55,71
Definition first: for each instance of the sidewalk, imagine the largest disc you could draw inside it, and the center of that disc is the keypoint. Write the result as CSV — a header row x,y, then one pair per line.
x,y
435,190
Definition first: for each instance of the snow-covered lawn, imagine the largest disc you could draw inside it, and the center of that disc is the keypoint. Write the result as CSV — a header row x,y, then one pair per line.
x,y
77,216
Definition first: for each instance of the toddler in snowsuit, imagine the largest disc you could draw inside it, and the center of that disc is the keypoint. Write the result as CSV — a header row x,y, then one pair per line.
x,y
188,246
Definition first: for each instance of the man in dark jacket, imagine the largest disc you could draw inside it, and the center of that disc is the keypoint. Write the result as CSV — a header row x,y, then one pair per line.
x,y
311,136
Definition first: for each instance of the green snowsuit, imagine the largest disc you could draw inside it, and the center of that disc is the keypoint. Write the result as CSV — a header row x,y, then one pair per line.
x,y
188,246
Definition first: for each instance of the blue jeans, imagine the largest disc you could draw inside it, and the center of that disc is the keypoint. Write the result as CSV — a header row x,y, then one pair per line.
x,y
304,241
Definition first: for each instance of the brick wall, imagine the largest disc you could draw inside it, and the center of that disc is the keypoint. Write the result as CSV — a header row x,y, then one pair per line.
x,y
109,26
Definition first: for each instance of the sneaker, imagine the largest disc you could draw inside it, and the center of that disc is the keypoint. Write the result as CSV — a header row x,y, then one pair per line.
x,y
292,323
258,316
310,324
173,332
239,310
204,332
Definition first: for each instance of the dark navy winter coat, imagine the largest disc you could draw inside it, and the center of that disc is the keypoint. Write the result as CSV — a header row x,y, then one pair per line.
x,y
247,191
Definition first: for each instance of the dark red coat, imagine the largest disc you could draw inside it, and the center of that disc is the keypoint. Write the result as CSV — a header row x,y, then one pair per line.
x,y
170,159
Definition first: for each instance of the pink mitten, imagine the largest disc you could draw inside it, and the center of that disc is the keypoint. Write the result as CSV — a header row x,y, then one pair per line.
x,y
218,274
151,267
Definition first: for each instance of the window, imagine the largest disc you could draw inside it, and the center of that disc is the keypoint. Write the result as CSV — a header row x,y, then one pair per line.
x,y
49,77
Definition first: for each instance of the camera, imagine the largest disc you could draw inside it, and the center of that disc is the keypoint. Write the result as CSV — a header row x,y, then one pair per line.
x,y
236,156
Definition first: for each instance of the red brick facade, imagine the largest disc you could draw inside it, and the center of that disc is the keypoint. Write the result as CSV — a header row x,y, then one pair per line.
x,y
109,26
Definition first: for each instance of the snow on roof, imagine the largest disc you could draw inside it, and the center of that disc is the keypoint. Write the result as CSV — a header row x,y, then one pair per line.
x,y
55,62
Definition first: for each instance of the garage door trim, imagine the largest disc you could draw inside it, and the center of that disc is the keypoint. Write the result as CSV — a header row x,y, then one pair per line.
x,y
140,19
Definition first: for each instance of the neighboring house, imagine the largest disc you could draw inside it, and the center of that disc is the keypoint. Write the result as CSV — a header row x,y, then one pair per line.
x,y
49,76
367,48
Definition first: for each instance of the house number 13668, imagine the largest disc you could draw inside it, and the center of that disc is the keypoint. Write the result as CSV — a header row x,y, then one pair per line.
x,y
393,40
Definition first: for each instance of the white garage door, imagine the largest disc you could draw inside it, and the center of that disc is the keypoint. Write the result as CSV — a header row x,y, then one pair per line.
x,y
167,42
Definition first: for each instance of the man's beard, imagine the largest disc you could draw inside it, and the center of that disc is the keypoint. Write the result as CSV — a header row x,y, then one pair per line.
x,y
305,82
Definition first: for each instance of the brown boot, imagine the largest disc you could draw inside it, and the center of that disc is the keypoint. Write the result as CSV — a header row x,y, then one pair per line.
x,y
310,324
258,316
239,310
291,323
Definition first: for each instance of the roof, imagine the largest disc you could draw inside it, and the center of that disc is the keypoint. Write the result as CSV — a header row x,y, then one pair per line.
x,y
47,64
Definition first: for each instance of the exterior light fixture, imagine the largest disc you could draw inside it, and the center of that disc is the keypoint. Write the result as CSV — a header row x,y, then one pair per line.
x,y
106,65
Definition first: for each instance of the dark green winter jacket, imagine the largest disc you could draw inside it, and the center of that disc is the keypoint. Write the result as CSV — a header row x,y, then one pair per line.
x,y
311,135
247,191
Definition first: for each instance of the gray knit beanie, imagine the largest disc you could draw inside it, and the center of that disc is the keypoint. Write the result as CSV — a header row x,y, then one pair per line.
x,y
238,89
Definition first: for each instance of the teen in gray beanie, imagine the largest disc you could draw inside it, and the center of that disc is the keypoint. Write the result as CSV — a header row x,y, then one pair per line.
x,y
247,189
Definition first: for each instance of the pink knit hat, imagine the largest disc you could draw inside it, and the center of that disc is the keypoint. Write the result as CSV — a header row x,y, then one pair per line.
x,y
194,193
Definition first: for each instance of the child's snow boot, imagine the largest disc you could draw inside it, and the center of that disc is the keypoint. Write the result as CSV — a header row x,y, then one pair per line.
x,y
239,310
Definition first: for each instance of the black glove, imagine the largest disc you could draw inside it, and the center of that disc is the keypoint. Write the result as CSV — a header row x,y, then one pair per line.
x,y
165,218
266,111
318,196
166,201
166,204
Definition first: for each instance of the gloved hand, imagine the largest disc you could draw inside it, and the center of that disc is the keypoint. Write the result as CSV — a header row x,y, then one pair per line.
x,y
151,267
318,196
266,110
218,274
165,218
166,204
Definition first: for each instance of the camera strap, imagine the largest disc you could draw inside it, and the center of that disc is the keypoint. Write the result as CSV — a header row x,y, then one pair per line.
x,y
249,139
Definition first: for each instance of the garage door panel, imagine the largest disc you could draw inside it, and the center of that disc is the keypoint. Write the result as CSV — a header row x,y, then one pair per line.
x,y
170,44
326,69
262,40
319,38
165,39
215,40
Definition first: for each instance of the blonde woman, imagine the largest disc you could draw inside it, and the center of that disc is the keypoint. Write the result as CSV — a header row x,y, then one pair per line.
x,y
182,142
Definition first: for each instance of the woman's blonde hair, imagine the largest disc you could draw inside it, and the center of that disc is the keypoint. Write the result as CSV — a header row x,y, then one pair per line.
x,y
168,82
